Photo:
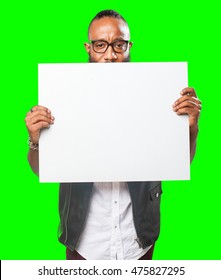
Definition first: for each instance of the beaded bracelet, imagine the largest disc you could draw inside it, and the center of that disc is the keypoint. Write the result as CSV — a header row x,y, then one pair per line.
x,y
32,145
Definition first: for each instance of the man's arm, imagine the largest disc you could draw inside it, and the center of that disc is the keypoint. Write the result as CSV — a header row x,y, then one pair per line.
x,y
38,118
189,104
33,160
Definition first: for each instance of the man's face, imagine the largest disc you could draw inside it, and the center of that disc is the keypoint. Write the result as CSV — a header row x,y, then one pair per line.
x,y
108,29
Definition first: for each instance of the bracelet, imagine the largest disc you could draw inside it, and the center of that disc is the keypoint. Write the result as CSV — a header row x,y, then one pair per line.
x,y
32,145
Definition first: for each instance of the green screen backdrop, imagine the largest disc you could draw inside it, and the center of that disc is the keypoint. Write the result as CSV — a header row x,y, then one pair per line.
x,y
34,32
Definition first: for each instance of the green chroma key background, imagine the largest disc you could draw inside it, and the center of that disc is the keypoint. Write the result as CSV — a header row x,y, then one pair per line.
x,y
54,31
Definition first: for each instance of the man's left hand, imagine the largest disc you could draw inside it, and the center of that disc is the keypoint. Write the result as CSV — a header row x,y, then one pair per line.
x,y
188,104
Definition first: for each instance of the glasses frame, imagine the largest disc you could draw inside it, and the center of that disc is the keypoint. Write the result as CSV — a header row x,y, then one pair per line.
x,y
110,44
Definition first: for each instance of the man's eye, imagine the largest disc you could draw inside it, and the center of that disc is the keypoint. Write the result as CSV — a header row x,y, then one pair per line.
x,y
120,45
100,45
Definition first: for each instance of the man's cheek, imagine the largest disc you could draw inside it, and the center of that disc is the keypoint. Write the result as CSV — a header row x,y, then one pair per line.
x,y
95,57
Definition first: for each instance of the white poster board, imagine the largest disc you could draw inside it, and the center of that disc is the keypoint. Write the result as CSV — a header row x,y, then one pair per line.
x,y
113,122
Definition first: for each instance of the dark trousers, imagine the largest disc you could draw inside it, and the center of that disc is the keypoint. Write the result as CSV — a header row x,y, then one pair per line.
x,y
76,256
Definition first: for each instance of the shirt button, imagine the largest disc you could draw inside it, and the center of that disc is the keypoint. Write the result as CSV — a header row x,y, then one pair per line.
x,y
115,201
157,194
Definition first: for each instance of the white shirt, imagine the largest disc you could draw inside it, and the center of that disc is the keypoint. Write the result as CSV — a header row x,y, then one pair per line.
x,y
109,232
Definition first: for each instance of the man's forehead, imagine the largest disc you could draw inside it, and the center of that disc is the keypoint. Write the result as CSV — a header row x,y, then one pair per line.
x,y
109,26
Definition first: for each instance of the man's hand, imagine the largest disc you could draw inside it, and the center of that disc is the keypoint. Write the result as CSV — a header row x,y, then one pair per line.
x,y
189,105
37,118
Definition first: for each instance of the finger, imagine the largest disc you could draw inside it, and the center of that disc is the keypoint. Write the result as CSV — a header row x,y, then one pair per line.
x,y
188,91
185,98
40,118
39,112
188,104
33,117
188,111
38,126
39,107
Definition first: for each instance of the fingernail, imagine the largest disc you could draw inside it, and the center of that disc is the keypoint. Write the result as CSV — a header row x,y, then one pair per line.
x,y
48,111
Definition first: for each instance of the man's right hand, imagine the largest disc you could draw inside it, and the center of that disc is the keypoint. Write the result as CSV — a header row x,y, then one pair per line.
x,y
37,118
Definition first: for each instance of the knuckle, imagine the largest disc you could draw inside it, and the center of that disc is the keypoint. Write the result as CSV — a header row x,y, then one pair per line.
x,y
44,124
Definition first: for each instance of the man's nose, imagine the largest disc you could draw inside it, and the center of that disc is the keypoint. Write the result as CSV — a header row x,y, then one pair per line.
x,y
110,54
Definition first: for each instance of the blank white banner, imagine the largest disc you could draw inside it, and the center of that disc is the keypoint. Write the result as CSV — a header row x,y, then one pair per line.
x,y
113,122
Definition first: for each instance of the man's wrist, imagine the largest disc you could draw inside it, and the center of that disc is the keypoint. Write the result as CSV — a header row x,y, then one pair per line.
x,y
32,146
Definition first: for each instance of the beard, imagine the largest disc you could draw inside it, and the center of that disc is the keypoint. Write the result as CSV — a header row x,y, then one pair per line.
x,y
90,59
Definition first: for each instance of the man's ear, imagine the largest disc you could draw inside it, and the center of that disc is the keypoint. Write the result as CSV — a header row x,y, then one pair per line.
x,y
87,47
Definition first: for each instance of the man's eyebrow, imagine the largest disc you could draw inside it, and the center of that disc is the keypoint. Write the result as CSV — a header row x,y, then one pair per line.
x,y
119,38
103,39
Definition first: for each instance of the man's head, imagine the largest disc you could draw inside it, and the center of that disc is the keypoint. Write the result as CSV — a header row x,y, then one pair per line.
x,y
108,34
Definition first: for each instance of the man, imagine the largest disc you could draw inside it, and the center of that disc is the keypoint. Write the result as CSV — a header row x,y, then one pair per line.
x,y
109,220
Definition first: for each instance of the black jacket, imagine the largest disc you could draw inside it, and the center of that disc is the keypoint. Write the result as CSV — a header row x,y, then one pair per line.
x,y
74,200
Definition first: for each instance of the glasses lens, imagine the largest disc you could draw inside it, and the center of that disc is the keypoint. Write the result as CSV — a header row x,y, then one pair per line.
x,y
100,46
120,46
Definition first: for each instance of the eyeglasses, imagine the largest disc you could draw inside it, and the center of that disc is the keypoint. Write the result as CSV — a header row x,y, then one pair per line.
x,y
119,46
